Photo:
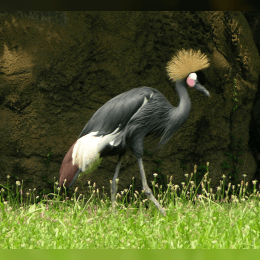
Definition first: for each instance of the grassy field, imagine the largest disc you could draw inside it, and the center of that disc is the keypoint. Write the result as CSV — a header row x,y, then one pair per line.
x,y
224,219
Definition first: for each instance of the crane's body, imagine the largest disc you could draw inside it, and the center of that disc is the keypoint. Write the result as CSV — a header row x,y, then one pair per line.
x,y
123,122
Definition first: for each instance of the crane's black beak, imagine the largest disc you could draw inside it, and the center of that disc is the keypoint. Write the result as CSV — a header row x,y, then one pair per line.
x,y
201,89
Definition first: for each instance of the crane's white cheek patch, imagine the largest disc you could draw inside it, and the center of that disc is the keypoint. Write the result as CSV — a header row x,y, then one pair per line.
x,y
190,82
85,151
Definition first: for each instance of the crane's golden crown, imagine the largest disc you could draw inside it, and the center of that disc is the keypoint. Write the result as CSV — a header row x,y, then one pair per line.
x,y
185,62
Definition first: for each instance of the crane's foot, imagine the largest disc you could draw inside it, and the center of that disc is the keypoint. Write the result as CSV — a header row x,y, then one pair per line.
x,y
150,196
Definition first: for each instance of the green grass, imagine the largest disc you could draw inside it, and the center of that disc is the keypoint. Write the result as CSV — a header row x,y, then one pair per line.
x,y
227,219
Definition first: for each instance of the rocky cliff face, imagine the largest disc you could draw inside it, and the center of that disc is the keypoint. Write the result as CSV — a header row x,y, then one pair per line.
x,y
58,68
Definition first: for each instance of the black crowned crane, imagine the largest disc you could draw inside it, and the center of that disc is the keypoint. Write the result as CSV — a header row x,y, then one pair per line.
x,y
124,121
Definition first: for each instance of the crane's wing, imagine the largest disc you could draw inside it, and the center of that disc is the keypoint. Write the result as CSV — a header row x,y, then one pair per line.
x,y
108,120
117,111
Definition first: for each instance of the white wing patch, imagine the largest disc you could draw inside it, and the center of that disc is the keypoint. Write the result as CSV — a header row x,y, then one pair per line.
x,y
108,139
87,148
85,151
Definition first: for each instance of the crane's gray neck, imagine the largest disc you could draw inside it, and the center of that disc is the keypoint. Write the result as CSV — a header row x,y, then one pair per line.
x,y
185,103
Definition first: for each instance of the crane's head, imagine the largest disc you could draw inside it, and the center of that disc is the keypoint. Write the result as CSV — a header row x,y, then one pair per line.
x,y
192,81
183,66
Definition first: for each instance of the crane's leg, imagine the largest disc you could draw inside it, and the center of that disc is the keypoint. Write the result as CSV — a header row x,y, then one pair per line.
x,y
146,188
114,188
